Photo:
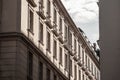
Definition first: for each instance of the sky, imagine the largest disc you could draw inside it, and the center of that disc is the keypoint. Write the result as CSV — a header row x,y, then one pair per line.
x,y
85,14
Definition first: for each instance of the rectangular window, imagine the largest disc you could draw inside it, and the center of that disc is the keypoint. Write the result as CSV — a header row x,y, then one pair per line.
x,y
66,32
60,59
60,78
71,67
48,7
48,74
31,20
95,71
30,66
48,41
75,74
82,55
41,33
75,45
89,64
83,77
55,16
79,51
55,49
40,71
86,63
79,75
70,40
41,3
60,25
66,61
92,67
55,77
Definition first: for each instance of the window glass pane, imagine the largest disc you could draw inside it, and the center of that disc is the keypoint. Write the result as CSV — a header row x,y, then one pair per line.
x,y
40,71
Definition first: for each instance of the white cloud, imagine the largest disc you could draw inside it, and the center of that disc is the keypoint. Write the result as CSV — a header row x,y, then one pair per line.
x,y
85,15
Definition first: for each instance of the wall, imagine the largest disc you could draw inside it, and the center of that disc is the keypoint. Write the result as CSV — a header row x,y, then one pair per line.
x,y
109,39
9,15
7,59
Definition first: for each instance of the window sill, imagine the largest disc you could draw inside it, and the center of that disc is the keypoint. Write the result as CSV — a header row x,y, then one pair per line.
x,y
48,50
61,64
41,42
31,31
55,58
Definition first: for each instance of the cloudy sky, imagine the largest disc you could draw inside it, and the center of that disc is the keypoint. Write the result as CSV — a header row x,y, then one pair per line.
x,y
85,15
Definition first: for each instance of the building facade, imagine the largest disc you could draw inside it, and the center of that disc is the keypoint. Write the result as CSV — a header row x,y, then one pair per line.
x,y
39,41
109,39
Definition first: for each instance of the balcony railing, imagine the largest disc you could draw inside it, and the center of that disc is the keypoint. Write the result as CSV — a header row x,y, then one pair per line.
x,y
83,67
41,12
71,51
76,57
48,20
60,37
80,62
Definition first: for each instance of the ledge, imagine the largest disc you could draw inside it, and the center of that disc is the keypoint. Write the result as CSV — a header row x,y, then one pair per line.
x,y
32,2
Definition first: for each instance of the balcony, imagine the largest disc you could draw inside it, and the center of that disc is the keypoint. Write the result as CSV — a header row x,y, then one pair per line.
x,y
41,12
83,67
32,2
54,29
76,57
48,21
65,44
80,62
87,71
71,51
60,37
91,78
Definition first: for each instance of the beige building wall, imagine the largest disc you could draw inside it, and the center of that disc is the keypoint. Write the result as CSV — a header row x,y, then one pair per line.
x,y
109,39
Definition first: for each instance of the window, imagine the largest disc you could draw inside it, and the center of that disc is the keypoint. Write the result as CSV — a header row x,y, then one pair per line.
x,y
30,66
55,77
40,71
48,7
89,64
66,62
79,51
48,74
92,67
60,25
55,49
31,20
83,77
48,41
70,40
95,71
79,75
41,32
75,73
41,3
55,16
60,78
86,63
66,32
60,59
75,42
82,55
70,67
